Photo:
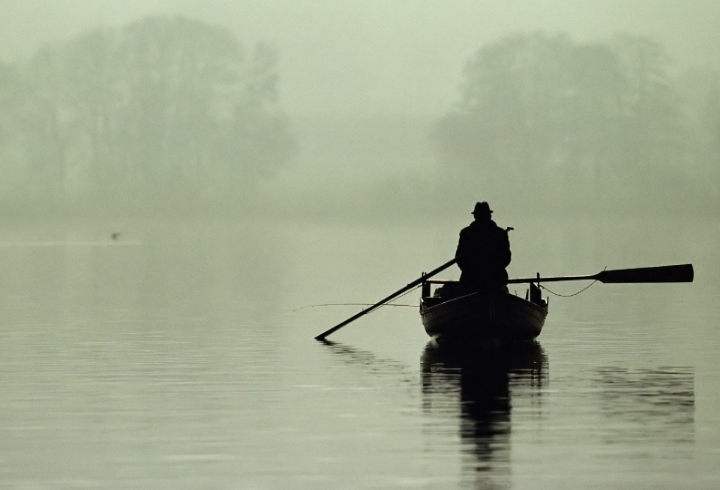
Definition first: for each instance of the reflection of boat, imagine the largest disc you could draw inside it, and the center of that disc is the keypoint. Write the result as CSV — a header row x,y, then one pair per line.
x,y
481,316
480,383
524,361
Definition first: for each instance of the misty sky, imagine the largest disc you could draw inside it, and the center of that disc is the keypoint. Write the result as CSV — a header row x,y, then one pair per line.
x,y
379,55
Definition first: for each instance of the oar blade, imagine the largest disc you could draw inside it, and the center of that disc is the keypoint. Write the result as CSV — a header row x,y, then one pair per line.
x,y
665,273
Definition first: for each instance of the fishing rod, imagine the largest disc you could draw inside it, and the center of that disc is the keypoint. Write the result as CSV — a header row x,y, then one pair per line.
x,y
349,304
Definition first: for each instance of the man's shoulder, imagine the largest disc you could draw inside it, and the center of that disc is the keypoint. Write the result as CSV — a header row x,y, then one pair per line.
x,y
482,228
468,230
494,226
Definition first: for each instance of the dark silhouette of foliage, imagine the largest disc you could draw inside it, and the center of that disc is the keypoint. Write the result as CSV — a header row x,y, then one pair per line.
x,y
700,89
589,120
166,104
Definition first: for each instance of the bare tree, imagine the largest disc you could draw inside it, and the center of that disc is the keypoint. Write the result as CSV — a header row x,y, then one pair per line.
x,y
166,104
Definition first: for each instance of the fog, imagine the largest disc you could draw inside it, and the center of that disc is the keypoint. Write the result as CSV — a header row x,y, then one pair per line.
x,y
192,190
362,95
375,56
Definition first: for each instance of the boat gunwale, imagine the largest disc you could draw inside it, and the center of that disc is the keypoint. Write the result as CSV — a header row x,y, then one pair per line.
x,y
424,308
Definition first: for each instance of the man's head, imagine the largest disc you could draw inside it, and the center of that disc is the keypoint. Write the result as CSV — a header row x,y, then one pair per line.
x,y
482,211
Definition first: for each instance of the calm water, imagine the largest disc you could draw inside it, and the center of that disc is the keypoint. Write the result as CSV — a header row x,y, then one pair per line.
x,y
181,356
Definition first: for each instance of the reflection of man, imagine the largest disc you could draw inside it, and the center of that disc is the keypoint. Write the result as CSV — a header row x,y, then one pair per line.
x,y
483,252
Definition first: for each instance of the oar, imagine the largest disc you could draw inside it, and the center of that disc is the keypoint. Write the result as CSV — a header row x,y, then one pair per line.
x,y
665,273
385,300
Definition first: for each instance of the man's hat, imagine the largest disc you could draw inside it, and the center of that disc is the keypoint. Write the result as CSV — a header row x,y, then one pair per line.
x,y
482,208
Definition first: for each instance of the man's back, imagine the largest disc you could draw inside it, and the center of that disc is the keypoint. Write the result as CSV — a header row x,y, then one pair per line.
x,y
483,253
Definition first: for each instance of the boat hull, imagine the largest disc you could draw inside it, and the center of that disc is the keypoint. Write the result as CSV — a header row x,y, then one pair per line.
x,y
482,317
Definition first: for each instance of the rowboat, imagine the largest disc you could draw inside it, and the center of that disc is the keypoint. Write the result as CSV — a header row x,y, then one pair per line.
x,y
453,316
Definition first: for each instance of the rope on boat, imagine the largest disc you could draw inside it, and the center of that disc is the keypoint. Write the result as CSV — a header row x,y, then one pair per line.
x,y
569,295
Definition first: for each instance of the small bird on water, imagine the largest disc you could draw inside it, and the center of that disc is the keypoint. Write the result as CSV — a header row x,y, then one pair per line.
x,y
115,235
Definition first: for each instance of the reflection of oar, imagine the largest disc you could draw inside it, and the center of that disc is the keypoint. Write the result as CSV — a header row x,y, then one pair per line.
x,y
385,300
665,273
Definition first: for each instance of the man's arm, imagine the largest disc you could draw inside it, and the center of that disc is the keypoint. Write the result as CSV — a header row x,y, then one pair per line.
x,y
505,253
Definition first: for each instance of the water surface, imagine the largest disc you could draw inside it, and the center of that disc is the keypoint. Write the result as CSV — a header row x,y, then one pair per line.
x,y
181,355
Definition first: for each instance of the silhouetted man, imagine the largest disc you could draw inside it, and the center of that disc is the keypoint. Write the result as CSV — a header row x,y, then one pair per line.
x,y
483,253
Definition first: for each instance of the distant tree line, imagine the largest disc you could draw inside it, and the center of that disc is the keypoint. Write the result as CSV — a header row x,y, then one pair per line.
x,y
163,105
603,124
